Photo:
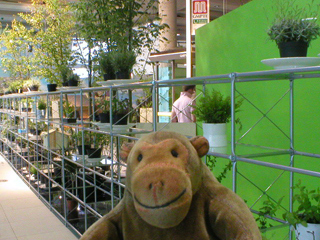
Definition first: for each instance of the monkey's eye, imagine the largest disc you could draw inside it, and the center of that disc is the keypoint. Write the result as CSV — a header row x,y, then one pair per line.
x,y
139,157
174,153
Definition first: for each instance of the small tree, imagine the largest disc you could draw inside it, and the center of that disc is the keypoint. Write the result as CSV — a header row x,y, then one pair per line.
x,y
16,50
126,25
52,25
112,25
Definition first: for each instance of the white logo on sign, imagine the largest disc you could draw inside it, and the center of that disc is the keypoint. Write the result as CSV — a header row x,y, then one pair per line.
x,y
199,7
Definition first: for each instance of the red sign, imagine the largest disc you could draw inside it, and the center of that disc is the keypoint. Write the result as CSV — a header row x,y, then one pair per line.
x,y
200,7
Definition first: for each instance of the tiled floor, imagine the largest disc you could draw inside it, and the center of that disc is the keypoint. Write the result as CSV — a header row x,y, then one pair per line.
x,y
22,215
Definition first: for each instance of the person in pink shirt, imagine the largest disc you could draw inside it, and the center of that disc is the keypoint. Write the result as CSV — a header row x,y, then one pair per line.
x,y
182,108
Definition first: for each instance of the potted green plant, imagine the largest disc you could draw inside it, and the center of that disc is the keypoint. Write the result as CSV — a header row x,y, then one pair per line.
x,y
68,112
78,137
120,110
214,110
42,106
52,86
306,217
73,80
123,61
65,71
98,141
125,25
294,27
26,104
31,85
92,143
36,128
103,105
16,86
106,66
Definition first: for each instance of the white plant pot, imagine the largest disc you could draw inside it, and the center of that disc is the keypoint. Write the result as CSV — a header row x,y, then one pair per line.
x,y
216,134
311,232
41,113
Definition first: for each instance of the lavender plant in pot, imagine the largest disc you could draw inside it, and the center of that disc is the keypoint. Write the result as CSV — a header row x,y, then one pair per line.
x,y
294,27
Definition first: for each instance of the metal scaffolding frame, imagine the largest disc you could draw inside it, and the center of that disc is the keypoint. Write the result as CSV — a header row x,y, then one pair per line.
x,y
86,184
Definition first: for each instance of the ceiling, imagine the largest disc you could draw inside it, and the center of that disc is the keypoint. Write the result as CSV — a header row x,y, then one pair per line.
x,y
9,8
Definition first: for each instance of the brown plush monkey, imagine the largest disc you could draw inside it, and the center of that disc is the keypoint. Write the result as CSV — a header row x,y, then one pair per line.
x,y
171,194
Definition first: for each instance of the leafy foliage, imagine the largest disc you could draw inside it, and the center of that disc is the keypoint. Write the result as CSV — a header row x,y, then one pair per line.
x,y
32,125
294,23
103,104
52,29
31,83
105,63
267,211
211,163
213,107
15,85
123,25
74,77
89,137
68,109
308,210
65,72
42,105
123,60
120,106
16,56
120,24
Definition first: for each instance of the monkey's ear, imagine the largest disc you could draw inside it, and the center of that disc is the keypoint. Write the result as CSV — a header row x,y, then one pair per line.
x,y
201,144
125,150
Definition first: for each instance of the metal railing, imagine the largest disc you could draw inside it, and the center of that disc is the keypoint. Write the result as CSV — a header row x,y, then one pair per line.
x,y
78,190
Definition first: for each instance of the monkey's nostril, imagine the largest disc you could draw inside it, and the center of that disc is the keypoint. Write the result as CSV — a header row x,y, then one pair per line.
x,y
150,186
162,183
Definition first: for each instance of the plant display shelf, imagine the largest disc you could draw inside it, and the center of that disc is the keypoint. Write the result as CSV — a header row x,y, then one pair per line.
x,y
237,153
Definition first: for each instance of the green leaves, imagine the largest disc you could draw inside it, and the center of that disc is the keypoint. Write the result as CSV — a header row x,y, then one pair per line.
x,y
50,33
120,24
211,164
213,107
15,55
268,210
308,206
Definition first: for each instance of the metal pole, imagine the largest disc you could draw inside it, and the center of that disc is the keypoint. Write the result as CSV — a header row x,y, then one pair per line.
x,y
112,148
154,97
233,154
63,173
291,148
173,66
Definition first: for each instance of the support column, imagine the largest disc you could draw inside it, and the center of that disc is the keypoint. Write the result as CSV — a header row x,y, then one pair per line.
x,y
168,14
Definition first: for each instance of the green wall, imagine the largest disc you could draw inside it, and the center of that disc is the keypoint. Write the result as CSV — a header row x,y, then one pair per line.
x,y
237,42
